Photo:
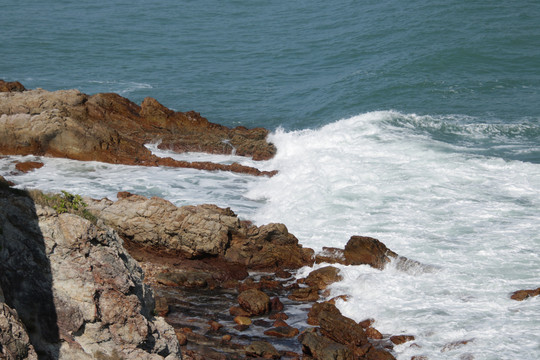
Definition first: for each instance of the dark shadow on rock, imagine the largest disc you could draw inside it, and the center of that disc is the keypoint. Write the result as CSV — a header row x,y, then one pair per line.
x,y
25,270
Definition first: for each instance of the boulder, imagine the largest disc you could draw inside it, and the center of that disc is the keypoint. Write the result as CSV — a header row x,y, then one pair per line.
x,y
254,301
323,277
362,250
322,348
75,288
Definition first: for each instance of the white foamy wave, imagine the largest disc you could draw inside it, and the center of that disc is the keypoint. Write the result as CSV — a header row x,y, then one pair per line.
x,y
98,180
472,218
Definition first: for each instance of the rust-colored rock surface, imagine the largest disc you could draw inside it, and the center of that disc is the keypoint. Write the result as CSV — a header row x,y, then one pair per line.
x,y
366,250
9,86
254,301
521,295
28,166
109,128
323,277
200,232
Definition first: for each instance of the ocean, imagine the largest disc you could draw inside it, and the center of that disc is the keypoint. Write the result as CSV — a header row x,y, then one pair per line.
x,y
417,123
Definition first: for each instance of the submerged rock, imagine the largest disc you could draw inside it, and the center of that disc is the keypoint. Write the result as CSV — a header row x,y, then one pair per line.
x,y
110,128
521,295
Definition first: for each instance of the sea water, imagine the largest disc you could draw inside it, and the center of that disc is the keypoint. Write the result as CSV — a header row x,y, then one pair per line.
x,y
415,123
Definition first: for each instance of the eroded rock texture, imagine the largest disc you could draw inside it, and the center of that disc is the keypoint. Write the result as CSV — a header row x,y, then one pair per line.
x,y
110,128
77,291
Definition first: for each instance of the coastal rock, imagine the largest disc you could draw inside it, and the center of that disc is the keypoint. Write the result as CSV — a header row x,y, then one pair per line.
x,y
75,288
262,349
366,250
323,277
110,128
521,295
14,340
28,166
254,301
200,232
322,348
9,86
359,250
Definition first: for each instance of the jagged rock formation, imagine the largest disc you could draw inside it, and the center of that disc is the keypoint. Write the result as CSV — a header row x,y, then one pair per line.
x,y
201,231
77,291
109,128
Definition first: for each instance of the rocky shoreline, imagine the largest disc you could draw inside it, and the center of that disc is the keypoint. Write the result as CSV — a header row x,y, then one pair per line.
x,y
140,278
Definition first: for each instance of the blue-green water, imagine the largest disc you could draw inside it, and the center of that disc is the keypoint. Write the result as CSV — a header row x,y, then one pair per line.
x,y
414,122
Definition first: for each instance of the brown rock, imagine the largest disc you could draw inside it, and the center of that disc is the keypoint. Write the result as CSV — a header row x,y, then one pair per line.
x,y
282,332
366,323
279,316
339,297
365,250
28,166
10,86
330,255
322,348
214,325
323,277
373,333
401,339
238,311
162,307
262,349
279,323
304,294
276,304
254,301
521,295
182,337
340,328
378,354
226,338
203,231
110,128
242,320
313,314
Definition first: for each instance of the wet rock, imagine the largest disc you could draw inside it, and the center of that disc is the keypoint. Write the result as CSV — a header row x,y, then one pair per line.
x,y
254,301
28,166
521,295
366,250
242,320
282,332
279,316
238,311
322,348
304,294
373,333
323,277
110,128
276,304
366,323
330,255
401,339
340,328
455,345
262,349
